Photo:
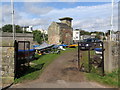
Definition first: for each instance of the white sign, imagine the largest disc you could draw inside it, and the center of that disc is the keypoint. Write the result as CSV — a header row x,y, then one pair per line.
x,y
76,35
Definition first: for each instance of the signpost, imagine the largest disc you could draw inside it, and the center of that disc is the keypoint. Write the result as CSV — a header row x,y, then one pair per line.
x,y
78,57
76,35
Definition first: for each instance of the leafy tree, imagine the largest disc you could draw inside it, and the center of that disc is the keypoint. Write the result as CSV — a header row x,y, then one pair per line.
x,y
46,37
83,32
108,32
98,33
38,36
104,38
0,29
8,28
18,29
97,36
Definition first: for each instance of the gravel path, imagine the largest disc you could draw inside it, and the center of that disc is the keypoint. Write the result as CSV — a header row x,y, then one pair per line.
x,y
61,73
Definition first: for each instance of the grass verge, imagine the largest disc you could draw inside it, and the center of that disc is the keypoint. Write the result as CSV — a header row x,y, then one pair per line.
x,y
110,79
39,65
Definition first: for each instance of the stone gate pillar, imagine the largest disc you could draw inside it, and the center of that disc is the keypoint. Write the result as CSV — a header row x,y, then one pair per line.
x,y
111,56
7,63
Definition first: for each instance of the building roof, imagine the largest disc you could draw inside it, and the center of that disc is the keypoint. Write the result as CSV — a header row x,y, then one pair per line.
x,y
63,25
66,18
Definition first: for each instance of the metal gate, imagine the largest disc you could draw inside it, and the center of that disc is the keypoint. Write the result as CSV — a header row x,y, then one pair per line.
x,y
91,57
21,57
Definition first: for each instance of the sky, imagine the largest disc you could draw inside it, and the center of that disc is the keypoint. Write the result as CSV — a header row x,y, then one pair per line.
x,y
89,16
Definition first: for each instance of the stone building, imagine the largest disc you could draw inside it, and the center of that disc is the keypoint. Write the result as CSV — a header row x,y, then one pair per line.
x,y
61,32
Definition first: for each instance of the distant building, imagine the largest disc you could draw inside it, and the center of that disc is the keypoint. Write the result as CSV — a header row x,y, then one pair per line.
x,y
27,28
43,31
86,36
61,32
93,34
115,36
118,36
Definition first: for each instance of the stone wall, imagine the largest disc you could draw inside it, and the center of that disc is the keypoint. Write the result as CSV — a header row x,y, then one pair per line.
x,y
66,36
0,72
7,38
111,55
53,34
7,54
7,66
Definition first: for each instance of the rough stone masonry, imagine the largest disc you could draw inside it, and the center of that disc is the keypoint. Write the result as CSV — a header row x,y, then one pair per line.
x,y
61,32
7,53
112,53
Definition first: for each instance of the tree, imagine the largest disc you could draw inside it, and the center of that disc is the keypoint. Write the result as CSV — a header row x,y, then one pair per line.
x,y
108,32
38,36
83,32
8,28
18,29
0,29
104,38
98,33
46,37
97,36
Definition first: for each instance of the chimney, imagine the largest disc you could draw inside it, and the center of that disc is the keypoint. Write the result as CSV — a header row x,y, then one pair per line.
x,y
66,20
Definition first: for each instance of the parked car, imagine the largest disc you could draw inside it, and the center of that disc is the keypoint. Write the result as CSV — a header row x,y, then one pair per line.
x,y
89,43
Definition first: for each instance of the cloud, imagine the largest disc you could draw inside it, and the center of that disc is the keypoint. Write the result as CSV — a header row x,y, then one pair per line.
x,y
7,15
33,8
32,22
85,17
0,16
59,0
37,10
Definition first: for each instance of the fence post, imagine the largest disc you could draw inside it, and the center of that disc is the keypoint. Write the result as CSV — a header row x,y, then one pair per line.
x,y
15,58
102,59
89,65
78,57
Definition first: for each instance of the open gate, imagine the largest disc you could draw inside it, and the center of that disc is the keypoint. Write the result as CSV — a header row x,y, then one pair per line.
x,y
91,57
21,57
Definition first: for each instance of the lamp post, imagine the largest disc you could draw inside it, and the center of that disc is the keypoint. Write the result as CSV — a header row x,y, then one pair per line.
x,y
12,12
111,31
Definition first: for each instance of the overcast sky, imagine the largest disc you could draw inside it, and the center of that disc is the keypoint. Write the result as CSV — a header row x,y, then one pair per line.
x,y
90,16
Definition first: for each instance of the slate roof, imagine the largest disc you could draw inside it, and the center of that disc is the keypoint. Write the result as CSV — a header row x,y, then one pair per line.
x,y
66,18
63,25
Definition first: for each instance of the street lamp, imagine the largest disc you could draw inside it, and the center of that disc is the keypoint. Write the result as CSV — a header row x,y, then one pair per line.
x,y
111,31
12,12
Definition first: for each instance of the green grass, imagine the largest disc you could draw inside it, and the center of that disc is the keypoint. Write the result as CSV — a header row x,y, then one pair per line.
x,y
39,65
110,79
84,58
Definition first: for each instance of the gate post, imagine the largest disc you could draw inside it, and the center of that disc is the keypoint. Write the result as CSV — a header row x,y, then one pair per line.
x,y
7,71
102,59
89,60
15,58
78,57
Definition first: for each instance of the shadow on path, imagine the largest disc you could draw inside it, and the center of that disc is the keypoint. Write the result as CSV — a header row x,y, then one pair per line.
x,y
25,70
